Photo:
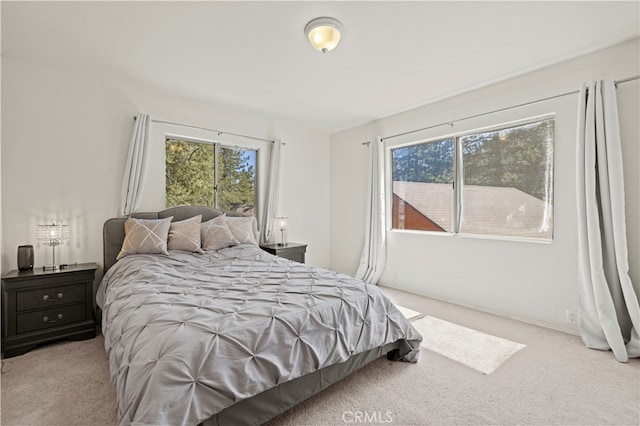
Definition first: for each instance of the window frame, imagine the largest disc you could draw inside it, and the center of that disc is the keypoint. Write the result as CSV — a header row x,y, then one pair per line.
x,y
456,210
215,144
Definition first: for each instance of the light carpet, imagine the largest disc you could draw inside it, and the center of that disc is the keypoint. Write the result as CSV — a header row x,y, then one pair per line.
x,y
480,351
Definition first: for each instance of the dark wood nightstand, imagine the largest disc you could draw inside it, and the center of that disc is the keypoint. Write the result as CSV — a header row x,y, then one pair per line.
x,y
43,305
291,251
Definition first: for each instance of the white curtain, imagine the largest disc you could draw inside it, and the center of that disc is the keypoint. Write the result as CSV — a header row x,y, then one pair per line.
x,y
136,167
271,199
609,315
373,258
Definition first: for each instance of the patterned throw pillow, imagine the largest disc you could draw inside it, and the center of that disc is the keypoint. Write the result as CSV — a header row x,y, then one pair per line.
x,y
145,236
242,229
185,235
216,234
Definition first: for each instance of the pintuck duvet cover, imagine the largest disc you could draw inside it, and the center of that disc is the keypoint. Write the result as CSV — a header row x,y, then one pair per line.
x,y
190,334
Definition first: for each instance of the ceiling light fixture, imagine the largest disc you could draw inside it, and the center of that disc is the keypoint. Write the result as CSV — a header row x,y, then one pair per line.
x,y
324,33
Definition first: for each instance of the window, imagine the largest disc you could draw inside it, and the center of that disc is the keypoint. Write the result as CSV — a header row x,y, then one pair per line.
x,y
423,194
494,183
210,174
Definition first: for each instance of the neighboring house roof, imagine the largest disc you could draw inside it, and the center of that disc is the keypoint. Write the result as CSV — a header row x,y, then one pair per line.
x,y
486,210
433,200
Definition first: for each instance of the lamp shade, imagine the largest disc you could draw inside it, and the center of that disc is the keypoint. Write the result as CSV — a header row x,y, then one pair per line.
x,y
282,222
324,33
53,235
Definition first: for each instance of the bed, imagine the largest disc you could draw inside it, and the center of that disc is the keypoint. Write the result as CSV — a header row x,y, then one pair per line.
x,y
234,336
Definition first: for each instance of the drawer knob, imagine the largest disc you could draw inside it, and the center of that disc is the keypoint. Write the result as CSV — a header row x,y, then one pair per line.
x,y
47,319
46,296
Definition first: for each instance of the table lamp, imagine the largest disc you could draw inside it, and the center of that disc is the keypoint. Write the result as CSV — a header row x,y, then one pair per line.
x,y
282,222
53,235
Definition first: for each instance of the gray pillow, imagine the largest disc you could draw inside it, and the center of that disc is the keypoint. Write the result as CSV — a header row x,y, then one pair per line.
x,y
185,235
145,236
216,234
242,229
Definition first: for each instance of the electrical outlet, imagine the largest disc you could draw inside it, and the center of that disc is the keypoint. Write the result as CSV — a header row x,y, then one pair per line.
x,y
571,317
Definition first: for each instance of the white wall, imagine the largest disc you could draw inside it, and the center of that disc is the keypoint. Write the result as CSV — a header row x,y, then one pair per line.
x,y
63,140
531,281
64,143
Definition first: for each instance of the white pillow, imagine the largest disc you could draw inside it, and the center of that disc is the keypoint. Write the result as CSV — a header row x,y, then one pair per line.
x,y
215,234
145,236
185,235
242,229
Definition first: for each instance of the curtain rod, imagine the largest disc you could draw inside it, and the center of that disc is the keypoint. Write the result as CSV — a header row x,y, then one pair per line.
x,y
219,132
616,83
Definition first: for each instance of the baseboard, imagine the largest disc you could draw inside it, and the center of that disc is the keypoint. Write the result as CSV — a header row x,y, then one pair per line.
x,y
565,329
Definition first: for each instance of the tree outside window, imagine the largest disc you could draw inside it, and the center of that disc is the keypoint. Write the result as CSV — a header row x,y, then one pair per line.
x,y
209,174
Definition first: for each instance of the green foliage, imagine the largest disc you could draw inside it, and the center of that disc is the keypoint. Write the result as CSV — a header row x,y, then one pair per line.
x,y
189,173
236,180
519,157
191,176
430,162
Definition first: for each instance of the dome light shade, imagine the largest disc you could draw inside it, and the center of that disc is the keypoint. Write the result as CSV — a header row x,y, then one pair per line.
x,y
324,33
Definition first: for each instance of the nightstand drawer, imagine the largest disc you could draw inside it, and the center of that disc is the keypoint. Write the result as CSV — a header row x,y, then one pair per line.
x,y
53,296
52,317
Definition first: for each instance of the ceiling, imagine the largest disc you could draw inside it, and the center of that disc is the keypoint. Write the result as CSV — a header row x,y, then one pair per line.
x,y
254,55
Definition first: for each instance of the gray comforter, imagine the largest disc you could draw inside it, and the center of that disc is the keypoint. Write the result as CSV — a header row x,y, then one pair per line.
x,y
190,334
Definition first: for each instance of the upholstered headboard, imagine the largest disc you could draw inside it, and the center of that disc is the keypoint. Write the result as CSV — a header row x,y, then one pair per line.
x,y
113,229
